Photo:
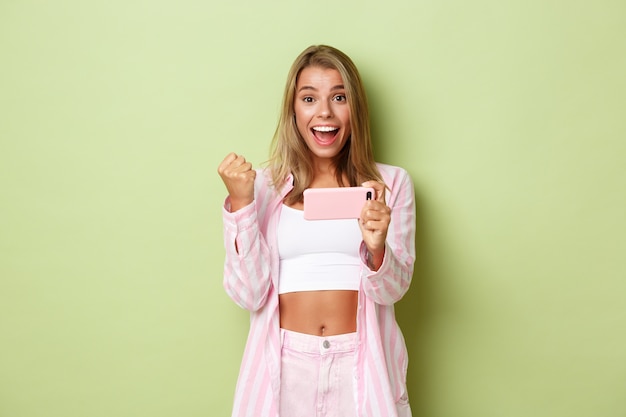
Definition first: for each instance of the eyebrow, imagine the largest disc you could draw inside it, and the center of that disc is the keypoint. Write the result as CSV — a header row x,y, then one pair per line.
x,y
309,87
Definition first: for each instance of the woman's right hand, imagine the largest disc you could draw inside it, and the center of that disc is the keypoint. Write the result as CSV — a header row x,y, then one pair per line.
x,y
238,176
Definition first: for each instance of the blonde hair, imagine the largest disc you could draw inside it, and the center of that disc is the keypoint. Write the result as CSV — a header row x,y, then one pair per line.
x,y
289,153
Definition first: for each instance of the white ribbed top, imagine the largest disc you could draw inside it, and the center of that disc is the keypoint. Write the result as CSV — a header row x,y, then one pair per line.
x,y
317,254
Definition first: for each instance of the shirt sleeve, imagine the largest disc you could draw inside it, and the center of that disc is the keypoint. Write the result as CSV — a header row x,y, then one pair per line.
x,y
392,280
247,263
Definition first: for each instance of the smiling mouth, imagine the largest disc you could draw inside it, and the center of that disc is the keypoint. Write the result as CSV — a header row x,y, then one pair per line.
x,y
325,135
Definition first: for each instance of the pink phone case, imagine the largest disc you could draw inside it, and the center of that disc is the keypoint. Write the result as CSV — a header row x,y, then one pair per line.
x,y
335,203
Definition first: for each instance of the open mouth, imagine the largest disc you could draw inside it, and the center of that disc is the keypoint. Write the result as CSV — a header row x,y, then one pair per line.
x,y
325,135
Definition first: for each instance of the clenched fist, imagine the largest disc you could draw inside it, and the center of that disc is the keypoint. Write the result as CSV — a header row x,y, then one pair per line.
x,y
238,176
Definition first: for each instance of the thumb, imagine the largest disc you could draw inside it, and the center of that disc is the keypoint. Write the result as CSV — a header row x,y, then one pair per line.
x,y
378,187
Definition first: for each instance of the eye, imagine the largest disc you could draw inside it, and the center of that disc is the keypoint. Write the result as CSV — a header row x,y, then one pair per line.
x,y
340,98
307,99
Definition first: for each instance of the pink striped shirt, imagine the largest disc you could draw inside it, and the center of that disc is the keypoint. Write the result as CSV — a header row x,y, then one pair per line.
x,y
250,279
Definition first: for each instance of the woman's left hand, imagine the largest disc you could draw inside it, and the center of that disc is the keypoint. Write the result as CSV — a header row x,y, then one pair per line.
x,y
374,223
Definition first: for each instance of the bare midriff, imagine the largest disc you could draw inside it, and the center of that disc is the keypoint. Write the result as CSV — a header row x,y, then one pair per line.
x,y
320,313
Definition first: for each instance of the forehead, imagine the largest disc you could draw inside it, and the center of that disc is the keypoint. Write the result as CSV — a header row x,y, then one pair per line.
x,y
319,77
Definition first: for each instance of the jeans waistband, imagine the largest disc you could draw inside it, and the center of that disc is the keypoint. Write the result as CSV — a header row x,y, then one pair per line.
x,y
320,345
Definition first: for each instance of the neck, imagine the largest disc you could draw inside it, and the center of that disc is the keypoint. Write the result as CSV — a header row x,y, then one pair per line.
x,y
323,172
325,176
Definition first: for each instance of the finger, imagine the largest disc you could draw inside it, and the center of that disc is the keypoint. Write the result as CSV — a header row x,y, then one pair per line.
x,y
229,161
237,162
382,217
237,168
378,187
373,236
248,175
375,225
376,209
244,167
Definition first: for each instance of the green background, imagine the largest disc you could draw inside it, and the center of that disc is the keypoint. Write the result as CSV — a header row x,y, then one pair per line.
x,y
114,116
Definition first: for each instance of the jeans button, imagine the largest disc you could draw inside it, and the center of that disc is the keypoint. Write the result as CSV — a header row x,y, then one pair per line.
x,y
326,344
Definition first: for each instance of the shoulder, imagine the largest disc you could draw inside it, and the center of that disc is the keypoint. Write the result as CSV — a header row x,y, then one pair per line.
x,y
393,174
263,180
263,173
264,187
399,183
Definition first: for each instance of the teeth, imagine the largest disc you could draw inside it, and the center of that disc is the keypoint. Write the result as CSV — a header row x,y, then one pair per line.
x,y
325,128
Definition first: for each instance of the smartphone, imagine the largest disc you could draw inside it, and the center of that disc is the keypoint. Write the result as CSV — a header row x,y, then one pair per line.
x,y
335,203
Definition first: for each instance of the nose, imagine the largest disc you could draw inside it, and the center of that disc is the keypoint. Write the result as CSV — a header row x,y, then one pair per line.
x,y
325,110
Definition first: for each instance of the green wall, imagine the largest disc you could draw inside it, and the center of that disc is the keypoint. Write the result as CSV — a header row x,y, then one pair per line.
x,y
115,114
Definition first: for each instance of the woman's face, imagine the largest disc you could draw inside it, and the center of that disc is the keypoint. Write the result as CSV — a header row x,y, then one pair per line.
x,y
322,111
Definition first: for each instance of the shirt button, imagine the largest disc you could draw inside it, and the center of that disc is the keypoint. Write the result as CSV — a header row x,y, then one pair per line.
x,y
326,344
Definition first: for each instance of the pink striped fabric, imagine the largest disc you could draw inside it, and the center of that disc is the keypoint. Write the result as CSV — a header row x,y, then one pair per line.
x,y
250,279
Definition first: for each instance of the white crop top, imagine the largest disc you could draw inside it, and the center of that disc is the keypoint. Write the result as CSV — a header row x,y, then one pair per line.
x,y
317,254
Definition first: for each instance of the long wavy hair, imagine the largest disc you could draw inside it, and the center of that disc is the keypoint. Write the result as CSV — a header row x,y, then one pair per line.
x,y
289,153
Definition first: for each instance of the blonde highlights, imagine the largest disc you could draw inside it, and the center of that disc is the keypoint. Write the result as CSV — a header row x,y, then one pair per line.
x,y
289,153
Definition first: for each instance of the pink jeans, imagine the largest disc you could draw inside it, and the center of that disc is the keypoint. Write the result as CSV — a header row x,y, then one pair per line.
x,y
317,375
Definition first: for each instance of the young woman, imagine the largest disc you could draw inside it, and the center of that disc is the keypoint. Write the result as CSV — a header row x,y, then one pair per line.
x,y
323,337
